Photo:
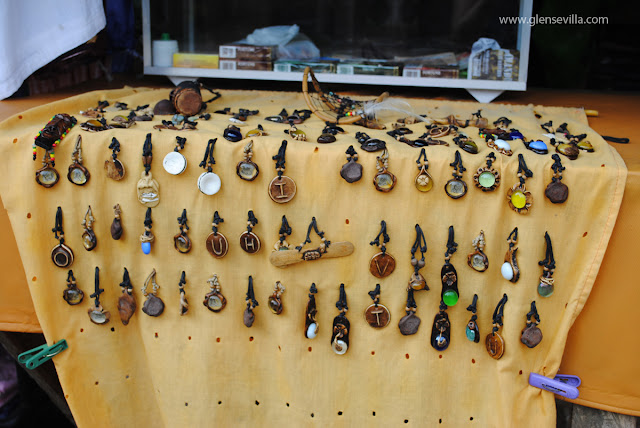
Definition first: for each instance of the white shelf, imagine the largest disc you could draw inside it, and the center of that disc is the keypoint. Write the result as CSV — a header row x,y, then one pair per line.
x,y
481,90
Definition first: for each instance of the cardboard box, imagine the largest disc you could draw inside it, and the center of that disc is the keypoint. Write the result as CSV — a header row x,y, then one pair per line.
x,y
247,52
191,60
227,64
370,69
419,70
495,64
299,66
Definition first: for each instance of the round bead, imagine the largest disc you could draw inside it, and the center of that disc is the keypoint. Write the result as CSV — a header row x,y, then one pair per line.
x,y
507,271
450,298
487,179
518,199
545,290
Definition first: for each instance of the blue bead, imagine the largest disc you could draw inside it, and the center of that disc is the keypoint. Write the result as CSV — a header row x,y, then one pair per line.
x,y
146,247
471,334
516,135
538,145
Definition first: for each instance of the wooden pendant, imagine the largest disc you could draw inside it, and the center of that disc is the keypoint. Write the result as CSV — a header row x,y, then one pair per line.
x,y
286,258
217,245
114,169
495,345
126,307
62,256
250,242
377,316
382,265
282,189
148,190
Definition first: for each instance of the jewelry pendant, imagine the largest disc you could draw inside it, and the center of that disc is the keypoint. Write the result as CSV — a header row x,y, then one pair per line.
x,y
423,181
147,236
310,323
116,225
409,323
499,145
126,302
47,176
181,241
113,167
78,174
216,242
285,230
286,256
487,178
369,144
258,132
249,241
377,315
282,189
249,317
531,334
174,162
246,169
538,146
184,304
441,329
341,326
569,150
478,260
214,300
466,144
61,255
456,187
232,133
494,342
382,264
147,189
89,239
557,192
209,182
546,286
510,270
72,294
449,293
295,133
384,181
275,300
153,306
97,314
417,281
472,331
352,170
495,345
519,198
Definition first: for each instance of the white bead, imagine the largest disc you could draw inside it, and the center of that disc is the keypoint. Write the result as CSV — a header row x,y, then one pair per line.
x,y
507,271
312,331
341,344
502,144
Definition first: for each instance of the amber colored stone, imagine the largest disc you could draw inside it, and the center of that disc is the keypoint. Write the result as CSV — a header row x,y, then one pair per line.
x,y
282,189
126,307
382,265
424,181
557,192
182,243
478,261
275,305
518,199
89,240
495,345
569,150
455,188
417,282
377,316
384,181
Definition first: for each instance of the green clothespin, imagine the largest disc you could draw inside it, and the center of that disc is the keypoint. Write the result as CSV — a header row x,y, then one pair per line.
x,y
35,357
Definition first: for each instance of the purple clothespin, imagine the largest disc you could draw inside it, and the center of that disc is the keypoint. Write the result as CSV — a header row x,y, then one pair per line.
x,y
563,385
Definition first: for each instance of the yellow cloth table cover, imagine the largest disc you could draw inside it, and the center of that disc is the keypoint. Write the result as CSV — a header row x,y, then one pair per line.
x,y
203,368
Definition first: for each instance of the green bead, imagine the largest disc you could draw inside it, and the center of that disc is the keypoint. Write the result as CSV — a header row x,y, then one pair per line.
x,y
545,290
487,179
471,335
450,298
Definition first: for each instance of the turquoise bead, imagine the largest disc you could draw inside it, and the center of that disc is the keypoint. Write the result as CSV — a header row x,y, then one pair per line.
x,y
471,335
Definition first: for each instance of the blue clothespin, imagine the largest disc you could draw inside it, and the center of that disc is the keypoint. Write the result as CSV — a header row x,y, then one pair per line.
x,y
37,356
563,385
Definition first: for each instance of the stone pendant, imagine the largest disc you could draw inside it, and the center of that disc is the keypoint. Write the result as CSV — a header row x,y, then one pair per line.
x,y
531,335
472,331
557,192
214,301
409,324
153,306
73,295
126,307
248,317
384,181
148,190
47,176
182,243
247,170
351,171
97,315
310,323
116,229
417,282
424,181
78,174
455,188
114,169
509,269
89,240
